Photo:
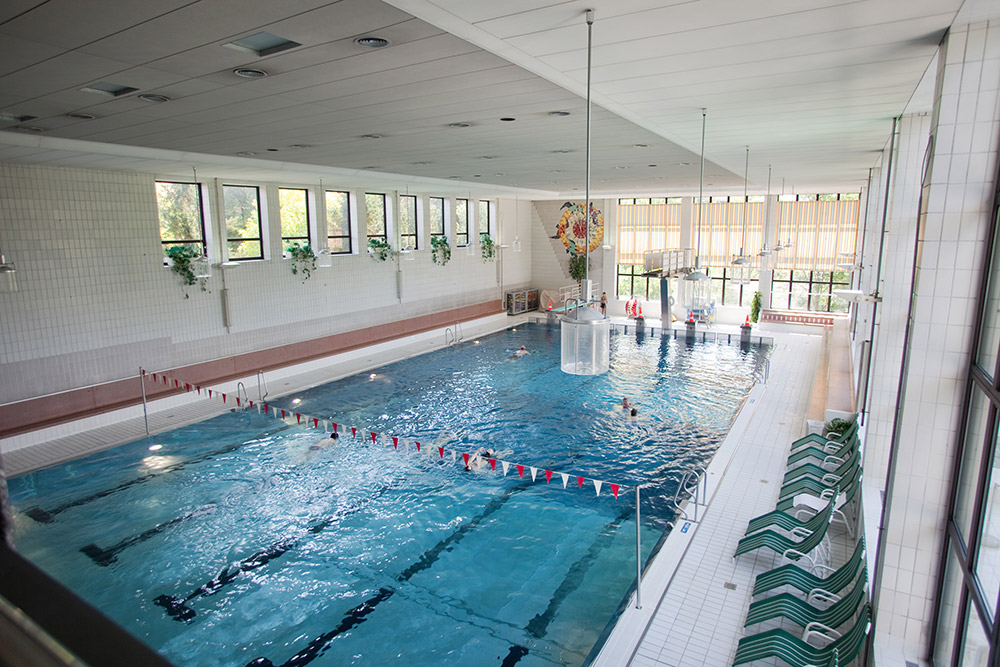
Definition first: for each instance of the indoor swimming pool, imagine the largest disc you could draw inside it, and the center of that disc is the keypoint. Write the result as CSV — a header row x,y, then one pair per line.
x,y
236,541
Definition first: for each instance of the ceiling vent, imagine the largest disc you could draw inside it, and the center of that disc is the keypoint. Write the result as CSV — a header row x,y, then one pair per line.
x,y
262,44
250,73
108,89
372,42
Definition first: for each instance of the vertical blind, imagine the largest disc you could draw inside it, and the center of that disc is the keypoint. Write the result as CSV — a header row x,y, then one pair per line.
x,y
722,231
819,231
647,227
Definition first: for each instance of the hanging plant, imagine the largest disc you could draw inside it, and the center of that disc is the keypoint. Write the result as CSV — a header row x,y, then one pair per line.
x,y
379,249
488,247
440,250
303,260
578,267
755,307
182,263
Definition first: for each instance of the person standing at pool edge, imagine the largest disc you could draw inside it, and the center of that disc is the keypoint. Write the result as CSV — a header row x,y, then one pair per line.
x,y
604,303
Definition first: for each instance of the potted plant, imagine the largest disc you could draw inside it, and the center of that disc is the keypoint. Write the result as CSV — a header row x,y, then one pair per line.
x,y
577,267
837,426
379,249
755,307
303,260
181,259
489,248
440,250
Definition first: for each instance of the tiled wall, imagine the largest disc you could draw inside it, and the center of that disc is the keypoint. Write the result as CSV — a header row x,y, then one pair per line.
x,y
95,301
953,219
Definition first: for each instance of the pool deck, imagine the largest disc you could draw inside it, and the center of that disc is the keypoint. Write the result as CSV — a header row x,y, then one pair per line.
x,y
694,595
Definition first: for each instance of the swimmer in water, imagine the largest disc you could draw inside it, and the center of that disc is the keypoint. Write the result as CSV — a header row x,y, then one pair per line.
x,y
626,406
520,353
320,444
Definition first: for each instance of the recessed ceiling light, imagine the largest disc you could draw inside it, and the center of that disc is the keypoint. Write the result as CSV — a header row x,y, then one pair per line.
x,y
487,157
262,44
650,165
556,171
246,153
558,113
150,97
108,89
640,145
273,150
372,42
454,178
683,164
31,128
500,173
372,167
563,150
301,146
79,115
15,118
422,162
371,136
622,166
477,175
249,73
459,124
508,119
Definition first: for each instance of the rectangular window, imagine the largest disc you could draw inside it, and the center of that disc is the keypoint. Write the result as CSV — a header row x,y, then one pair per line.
x,y
437,216
486,218
338,222
631,283
375,216
241,204
182,220
809,290
293,205
642,228
461,222
815,232
408,222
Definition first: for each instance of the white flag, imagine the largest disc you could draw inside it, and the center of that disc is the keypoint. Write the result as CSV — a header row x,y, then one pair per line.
x,y
565,478
597,485
505,466
534,471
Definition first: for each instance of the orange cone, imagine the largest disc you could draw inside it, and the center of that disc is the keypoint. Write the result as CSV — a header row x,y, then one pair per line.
x,y
748,321
550,305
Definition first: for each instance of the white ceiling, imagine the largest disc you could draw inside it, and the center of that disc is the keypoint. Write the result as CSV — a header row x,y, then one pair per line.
x,y
810,85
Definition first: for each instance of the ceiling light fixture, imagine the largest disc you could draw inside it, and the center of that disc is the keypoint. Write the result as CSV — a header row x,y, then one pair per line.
x,y
15,118
460,124
371,136
246,153
508,119
563,151
31,128
372,42
698,280
151,97
262,44
764,252
640,145
79,115
108,89
249,73
741,264
558,113
301,146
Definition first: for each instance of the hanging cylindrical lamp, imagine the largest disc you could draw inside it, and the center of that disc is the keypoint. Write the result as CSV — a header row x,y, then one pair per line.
x,y
8,276
765,253
697,281
741,265
585,333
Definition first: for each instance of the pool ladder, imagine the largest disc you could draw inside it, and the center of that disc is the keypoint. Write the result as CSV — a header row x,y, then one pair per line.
x,y
694,485
241,393
454,334
261,386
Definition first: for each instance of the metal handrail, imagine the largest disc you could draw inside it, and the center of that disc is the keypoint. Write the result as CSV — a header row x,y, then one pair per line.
x,y
446,341
261,386
241,392
459,333
700,489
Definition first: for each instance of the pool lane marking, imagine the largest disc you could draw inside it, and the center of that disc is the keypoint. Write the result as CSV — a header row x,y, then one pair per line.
x,y
105,557
177,607
358,614
48,516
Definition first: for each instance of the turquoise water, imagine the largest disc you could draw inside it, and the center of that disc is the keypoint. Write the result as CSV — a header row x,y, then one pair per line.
x,y
235,543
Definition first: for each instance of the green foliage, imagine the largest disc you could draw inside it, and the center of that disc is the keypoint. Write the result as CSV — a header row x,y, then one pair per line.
x,y
838,426
489,248
179,209
303,260
440,250
379,249
181,257
242,221
755,307
578,267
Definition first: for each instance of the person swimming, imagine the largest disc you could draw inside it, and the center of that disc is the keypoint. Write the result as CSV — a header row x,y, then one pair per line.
x,y
626,406
320,444
520,352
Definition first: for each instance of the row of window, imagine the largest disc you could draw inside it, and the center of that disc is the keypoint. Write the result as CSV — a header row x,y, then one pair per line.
x,y
660,201
182,212
790,290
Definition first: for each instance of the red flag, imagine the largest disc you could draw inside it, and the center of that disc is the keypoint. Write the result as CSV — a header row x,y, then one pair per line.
x,y
548,476
298,418
266,407
144,370
374,435
223,398
164,378
282,413
237,401
315,422
441,451
354,432
210,393
177,383
187,387
334,426
198,387
493,464
520,470
395,442
418,446
465,456
250,403
579,482
614,489
154,377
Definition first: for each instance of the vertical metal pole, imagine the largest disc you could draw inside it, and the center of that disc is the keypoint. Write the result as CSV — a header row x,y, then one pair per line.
x,y
586,212
145,412
638,552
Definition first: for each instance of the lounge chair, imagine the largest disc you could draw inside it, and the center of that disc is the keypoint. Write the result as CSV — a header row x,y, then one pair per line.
x,y
787,520
850,483
822,440
811,533
797,652
829,451
821,471
793,608
814,586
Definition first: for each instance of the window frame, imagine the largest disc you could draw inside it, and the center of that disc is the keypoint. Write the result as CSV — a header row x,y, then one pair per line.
x,y
811,293
459,222
415,236
490,217
260,225
202,214
444,217
385,217
348,236
310,219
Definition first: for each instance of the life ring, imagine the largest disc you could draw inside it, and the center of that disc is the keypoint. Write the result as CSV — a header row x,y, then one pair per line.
x,y
572,228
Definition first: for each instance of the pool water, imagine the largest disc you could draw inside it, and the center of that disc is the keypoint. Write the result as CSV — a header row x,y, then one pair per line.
x,y
235,543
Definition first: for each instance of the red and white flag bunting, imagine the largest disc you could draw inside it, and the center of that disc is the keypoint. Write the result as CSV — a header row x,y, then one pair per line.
x,y
396,440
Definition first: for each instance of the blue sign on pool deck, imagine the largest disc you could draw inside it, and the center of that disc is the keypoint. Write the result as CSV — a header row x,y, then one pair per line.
x,y
239,542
